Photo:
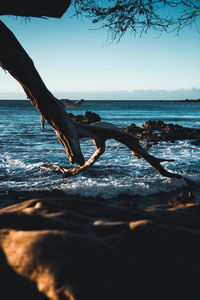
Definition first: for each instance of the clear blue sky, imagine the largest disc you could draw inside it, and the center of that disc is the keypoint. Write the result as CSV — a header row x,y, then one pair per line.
x,y
74,62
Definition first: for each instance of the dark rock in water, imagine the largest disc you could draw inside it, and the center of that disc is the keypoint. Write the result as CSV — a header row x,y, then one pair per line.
x,y
133,129
153,125
88,118
92,117
161,126
183,197
155,131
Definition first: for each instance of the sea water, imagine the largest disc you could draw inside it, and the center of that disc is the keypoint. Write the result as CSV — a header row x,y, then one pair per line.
x,y
24,147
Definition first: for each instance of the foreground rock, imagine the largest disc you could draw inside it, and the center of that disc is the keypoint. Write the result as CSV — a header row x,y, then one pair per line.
x,y
59,248
182,198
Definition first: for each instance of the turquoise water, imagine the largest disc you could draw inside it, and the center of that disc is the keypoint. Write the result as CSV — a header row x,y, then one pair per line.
x,y
24,147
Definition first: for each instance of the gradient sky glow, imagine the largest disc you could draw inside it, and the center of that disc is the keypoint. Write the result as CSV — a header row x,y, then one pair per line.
x,y
74,61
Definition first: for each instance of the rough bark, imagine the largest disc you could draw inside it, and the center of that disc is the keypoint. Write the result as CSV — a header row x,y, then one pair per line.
x,y
34,8
16,61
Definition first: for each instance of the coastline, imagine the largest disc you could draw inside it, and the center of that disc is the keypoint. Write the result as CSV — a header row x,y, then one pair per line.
x,y
59,246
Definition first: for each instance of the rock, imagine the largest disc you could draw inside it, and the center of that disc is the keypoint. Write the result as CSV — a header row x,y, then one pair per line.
x,y
182,198
133,129
153,125
88,118
156,130
91,117
59,248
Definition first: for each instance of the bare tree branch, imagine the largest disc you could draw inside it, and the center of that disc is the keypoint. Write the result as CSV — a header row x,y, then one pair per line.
x,y
16,61
99,132
139,16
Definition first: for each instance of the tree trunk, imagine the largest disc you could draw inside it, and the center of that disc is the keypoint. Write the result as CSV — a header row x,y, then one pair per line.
x,y
34,8
16,61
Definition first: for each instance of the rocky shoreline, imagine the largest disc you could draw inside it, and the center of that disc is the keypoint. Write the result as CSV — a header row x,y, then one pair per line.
x,y
55,246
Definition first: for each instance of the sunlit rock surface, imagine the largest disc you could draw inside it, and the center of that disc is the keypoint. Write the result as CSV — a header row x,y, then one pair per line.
x,y
54,247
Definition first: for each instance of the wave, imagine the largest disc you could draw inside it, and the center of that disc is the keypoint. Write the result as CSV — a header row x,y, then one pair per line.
x,y
102,187
111,190
116,173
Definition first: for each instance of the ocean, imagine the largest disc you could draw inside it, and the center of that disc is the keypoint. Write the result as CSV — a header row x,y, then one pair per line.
x,y
24,147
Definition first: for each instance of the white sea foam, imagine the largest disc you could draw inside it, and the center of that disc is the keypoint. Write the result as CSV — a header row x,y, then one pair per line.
x,y
11,163
113,189
112,176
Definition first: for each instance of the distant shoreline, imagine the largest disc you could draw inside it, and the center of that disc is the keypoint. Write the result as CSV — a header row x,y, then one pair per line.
x,y
125,100
191,100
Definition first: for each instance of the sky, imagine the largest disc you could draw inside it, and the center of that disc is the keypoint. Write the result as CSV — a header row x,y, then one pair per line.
x,y
75,62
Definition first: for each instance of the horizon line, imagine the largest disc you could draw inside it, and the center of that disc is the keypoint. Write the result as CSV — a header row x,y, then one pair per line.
x,y
112,99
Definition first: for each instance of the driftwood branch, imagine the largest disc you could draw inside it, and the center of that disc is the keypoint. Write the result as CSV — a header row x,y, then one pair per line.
x,y
100,132
74,171
72,104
